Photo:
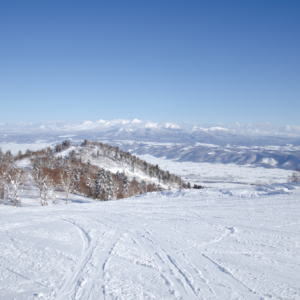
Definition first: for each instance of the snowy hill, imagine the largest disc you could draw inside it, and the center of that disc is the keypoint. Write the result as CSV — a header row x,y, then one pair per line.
x,y
93,169
112,159
187,244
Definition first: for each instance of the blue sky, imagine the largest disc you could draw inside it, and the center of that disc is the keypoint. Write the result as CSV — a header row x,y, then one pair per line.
x,y
197,61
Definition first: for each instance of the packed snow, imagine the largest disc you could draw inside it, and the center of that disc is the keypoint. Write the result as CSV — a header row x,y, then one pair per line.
x,y
188,244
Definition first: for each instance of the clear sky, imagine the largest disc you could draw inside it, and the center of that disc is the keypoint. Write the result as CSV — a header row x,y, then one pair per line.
x,y
198,61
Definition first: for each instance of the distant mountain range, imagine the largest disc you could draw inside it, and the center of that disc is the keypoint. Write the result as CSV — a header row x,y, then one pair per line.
x,y
254,129
258,144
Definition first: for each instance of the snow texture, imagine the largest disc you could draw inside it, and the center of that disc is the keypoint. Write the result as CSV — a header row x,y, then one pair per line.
x,y
238,243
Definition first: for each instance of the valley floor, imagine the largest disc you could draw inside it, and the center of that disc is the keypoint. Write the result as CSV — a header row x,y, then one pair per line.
x,y
219,175
238,243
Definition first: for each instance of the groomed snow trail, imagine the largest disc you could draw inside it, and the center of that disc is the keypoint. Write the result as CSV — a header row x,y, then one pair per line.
x,y
188,244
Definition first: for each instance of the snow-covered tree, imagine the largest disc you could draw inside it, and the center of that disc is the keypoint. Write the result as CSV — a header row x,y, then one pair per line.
x,y
67,181
125,184
110,189
3,179
7,170
295,177
44,184
16,180
100,185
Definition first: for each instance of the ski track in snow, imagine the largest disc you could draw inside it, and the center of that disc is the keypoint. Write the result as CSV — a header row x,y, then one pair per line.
x,y
188,244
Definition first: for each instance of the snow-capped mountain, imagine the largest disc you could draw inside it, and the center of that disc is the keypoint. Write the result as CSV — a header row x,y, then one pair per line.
x,y
189,140
259,129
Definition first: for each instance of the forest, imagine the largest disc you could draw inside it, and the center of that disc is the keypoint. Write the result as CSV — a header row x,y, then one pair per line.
x,y
77,170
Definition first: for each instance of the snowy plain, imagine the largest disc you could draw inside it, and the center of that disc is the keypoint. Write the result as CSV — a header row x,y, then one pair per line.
x,y
220,175
241,243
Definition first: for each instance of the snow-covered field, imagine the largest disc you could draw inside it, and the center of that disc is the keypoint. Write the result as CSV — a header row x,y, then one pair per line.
x,y
189,244
14,148
220,175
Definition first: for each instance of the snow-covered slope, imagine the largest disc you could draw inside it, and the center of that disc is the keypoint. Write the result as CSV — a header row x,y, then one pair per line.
x,y
187,244
98,156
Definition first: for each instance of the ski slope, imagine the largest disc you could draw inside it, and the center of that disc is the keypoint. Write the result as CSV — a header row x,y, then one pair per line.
x,y
239,243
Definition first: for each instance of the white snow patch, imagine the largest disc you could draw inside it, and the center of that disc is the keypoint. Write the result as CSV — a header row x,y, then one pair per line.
x,y
136,121
67,135
206,145
218,129
270,161
151,125
101,121
15,148
171,126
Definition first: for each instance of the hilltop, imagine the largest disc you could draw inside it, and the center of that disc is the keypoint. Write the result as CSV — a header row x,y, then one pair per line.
x,y
91,169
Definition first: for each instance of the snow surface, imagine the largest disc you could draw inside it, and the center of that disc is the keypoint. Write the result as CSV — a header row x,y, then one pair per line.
x,y
219,175
16,147
189,244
